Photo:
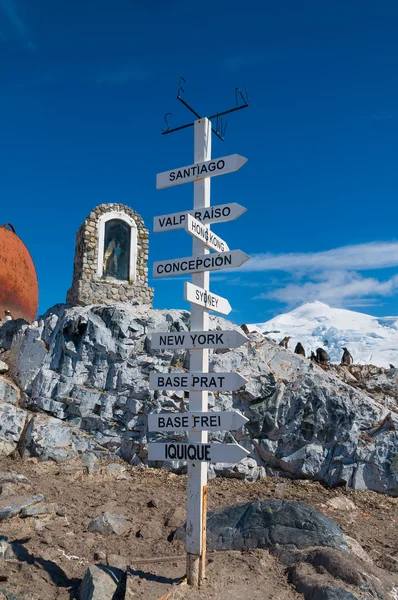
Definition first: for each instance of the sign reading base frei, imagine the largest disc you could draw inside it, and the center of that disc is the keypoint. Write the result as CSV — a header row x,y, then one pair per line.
x,y
196,421
225,453
200,297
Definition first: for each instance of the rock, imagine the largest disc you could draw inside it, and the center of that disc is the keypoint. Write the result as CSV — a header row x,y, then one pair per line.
x,y
175,517
108,523
35,511
120,562
8,391
341,503
304,422
9,507
269,524
152,530
357,549
99,555
90,461
328,573
114,469
15,478
3,367
101,582
61,511
7,550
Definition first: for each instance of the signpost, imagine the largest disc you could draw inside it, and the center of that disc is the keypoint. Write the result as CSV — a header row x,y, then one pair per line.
x,y
200,170
198,421
201,297
198,339
203,233
213,214
226,453
200,263
196,381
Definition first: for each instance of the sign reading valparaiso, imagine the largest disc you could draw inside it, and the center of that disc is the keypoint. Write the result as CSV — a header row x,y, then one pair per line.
x,y
202,232
209,214
208,168
203,262
198,339
200,297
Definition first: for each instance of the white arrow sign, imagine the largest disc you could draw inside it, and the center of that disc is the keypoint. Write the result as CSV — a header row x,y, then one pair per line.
x,y
210,214
196,421
203,233
224,453
198,339
208,168
202,262
201,297
196,381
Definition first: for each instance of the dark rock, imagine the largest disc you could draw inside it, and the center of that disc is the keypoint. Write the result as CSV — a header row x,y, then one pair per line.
x,y
9,507
269,524
108,523
102,582
35,511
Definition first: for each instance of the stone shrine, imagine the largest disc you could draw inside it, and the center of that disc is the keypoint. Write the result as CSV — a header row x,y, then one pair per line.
x,y
111,258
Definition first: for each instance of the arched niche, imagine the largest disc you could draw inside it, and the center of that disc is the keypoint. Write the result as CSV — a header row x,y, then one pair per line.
x,y
117,247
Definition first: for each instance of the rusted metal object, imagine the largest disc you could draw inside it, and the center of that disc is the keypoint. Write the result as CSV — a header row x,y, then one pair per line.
x,y
19,290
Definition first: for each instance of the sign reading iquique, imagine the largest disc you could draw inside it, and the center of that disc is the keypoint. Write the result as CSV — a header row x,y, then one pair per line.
x,y
225,453
208,168
210,214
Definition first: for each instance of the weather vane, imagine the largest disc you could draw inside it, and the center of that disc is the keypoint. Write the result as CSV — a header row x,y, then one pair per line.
x,y
242,101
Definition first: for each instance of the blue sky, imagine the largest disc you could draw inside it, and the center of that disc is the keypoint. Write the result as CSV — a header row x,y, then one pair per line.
x,y
85,86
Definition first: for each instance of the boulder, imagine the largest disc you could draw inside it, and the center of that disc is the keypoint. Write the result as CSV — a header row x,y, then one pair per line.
x,y
102,582
269,524
108,523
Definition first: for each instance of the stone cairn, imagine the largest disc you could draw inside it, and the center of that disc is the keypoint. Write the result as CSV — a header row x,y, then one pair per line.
x,y
91,287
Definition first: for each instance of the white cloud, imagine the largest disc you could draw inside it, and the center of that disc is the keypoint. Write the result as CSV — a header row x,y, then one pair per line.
x,y
374,255
338,288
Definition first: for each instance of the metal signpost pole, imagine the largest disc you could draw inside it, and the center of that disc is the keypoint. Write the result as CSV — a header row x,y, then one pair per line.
x,y
198,401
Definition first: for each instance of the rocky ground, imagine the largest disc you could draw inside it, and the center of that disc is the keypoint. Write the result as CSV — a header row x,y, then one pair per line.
x,y
48,547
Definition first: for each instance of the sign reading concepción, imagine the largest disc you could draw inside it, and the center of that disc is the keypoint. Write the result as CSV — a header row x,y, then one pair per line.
x,y
203,262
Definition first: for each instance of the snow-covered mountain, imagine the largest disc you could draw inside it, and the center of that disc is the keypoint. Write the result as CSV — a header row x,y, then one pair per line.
x,y
371,340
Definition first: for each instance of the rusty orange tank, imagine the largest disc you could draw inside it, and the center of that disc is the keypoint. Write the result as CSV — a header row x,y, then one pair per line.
x,y
19,290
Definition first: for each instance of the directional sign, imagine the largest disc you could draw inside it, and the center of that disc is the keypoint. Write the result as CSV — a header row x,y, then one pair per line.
x,y
224,453
202,262
196,421
211,214
202,232
198,339
196,381
208,168
201,297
